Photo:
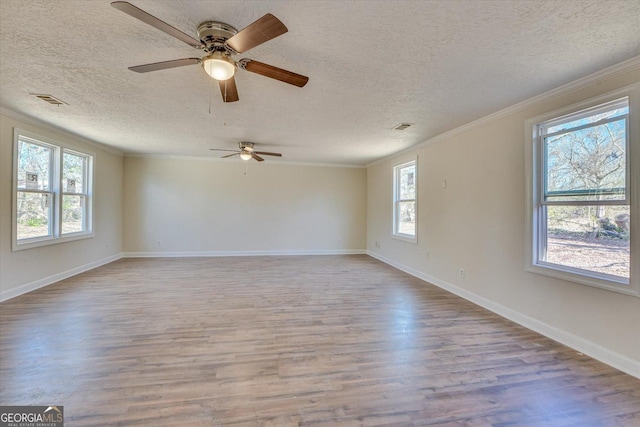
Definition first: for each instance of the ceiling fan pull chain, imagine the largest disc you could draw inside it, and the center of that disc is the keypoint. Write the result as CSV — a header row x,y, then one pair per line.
x,y
210,95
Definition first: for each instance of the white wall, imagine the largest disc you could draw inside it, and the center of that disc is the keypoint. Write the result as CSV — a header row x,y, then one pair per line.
x,y
25,270
186,206
478,223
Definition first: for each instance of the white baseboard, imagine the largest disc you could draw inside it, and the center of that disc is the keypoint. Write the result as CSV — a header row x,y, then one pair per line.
x,y
589,348
243,253
611,358
37,284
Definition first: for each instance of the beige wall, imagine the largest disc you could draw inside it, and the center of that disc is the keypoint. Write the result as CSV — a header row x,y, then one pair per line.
x,y
478,223
183,206
29,269
146,205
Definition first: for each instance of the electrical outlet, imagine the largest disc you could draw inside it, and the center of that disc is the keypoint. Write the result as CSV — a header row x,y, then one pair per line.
x,y
158,242
461,273
426,257
377,244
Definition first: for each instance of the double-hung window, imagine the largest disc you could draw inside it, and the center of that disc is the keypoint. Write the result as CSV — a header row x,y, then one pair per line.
x,y
405,201
580,219
52,195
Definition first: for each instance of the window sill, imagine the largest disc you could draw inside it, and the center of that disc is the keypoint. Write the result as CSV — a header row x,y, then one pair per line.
x,y
406,238
47,241
603,281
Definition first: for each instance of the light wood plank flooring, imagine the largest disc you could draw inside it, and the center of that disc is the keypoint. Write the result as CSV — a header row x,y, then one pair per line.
x,y
290,341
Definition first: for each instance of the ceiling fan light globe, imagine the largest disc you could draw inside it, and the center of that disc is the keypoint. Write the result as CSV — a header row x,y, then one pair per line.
x,y
218,66
245,155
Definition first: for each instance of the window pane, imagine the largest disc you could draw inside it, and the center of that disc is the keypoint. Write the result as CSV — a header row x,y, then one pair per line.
x,y
591,119
408,183
34,166
594,238
34,215
73,212
587,164
73,172
407,218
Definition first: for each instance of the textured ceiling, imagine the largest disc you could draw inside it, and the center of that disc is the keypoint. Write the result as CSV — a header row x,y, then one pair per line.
x,y
371,64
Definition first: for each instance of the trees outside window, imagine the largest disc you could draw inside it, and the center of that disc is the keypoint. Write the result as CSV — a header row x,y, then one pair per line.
x,y
74,192
581,210
34,190
405,201
52,192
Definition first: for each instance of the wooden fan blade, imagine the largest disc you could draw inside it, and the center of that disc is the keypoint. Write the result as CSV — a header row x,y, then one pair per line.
x,y
264,29
266,153
274,72
255,156
228,90
156,66
222,149
230,155
143,16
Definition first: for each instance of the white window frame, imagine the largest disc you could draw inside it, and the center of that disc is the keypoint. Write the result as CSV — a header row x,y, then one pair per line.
x,y
396,201
533,196
55,190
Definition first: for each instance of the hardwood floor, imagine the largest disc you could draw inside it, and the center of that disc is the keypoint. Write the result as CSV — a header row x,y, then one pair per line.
x,y
290,341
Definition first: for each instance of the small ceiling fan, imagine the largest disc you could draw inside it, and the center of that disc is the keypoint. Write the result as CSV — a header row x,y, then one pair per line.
x,y
220,41
247,152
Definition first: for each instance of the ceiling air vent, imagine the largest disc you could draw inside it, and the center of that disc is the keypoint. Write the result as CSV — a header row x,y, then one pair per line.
x,y
402,126
49,98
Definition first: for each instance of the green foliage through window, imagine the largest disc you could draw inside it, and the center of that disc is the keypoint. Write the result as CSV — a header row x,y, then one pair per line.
x,y
584,209
51,190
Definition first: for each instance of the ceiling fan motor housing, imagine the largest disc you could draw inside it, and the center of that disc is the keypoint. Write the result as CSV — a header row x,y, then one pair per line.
x,y
246,146
214,34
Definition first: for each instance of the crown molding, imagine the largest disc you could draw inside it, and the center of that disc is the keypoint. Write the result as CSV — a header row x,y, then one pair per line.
x,y
41,124
218,159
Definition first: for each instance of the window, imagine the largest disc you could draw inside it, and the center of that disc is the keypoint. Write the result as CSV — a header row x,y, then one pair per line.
x,y
52,192
404,201
580,195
